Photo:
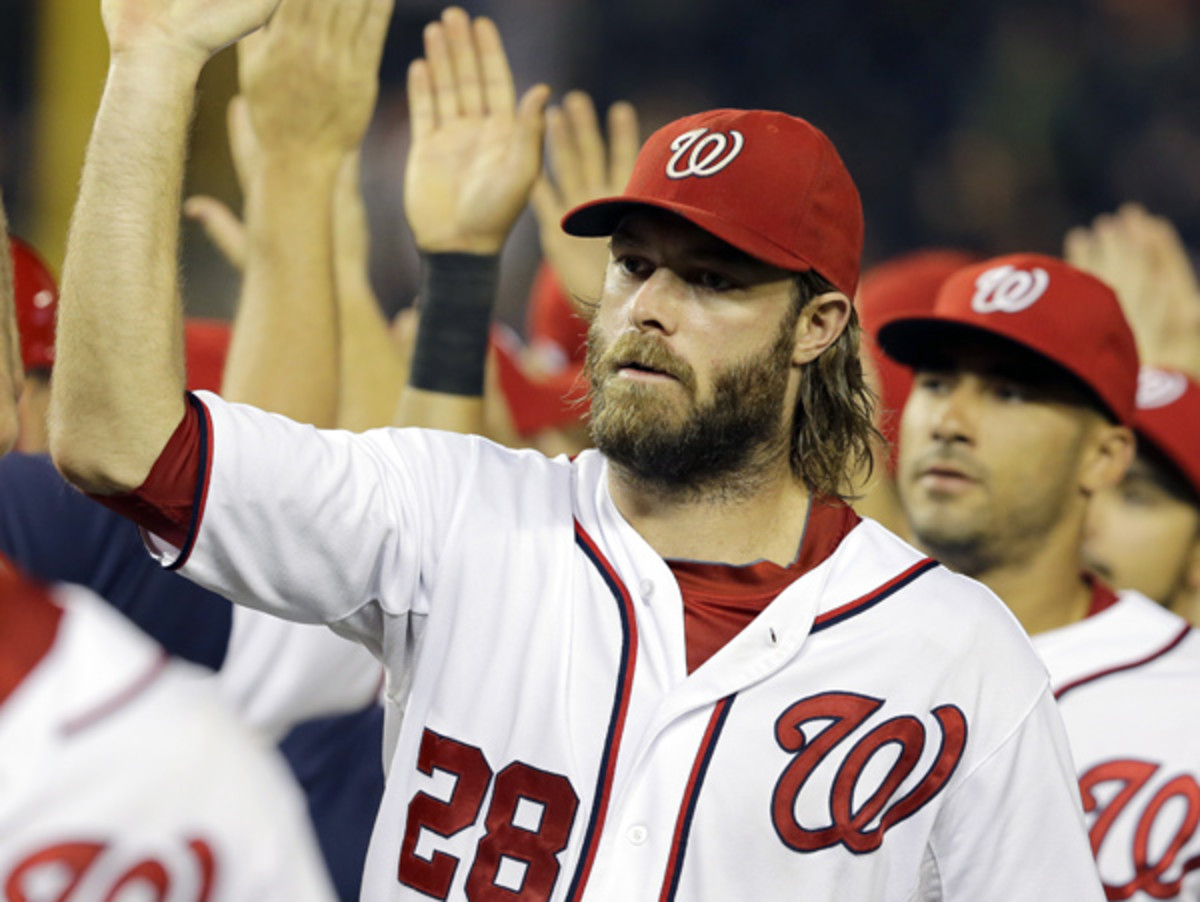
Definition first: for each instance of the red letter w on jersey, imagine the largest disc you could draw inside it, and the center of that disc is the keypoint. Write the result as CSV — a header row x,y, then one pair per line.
x,y
849,826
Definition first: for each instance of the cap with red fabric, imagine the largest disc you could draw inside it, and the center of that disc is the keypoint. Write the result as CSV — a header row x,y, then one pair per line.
x,y
1168,417
35,294
770,184
558,397
206,344
903,286
1060,313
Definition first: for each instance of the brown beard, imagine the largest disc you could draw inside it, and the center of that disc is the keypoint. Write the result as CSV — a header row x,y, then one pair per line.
x,y
721,445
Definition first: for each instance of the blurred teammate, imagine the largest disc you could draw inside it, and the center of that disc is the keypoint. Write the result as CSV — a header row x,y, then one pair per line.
x,y
125,774
1144,533
1019,415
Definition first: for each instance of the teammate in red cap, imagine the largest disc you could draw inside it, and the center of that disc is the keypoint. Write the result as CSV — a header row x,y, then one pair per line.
x,y
1018,420
1144,534
677,667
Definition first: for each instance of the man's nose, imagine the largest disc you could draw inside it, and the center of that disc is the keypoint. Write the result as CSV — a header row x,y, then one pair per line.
x,y
654,307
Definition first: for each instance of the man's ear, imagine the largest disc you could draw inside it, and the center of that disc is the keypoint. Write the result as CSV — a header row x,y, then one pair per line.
x,y
820,323
1110,451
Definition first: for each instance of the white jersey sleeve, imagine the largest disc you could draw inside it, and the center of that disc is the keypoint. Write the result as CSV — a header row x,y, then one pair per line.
x,y
1027,781
277,673
328,526
125,776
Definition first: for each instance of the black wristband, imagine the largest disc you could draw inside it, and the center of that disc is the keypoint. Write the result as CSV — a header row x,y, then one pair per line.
x,y
456,297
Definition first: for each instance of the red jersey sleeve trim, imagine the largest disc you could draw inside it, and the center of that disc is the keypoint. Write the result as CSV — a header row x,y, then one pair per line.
x,y
170,503
29,620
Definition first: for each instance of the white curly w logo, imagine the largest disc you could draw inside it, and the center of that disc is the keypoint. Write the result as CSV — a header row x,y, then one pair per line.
x,y
1006,289
707,154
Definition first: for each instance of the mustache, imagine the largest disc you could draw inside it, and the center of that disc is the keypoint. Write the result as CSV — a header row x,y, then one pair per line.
x,y
947,457
645,352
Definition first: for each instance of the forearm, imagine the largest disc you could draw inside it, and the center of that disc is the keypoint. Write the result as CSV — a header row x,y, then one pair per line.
x,y
445,386
284,353
372,374
118,380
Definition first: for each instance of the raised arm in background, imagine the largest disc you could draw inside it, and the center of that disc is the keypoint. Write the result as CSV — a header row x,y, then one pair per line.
x,y
371,369
580,169
474,158
12,373
310,80
1144,261
118,382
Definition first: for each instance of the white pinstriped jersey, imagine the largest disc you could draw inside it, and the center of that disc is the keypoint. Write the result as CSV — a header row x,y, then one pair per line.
x,y
123,776
881,731
1128,684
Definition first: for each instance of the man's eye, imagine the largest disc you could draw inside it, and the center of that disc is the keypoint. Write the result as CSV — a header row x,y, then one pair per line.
x,y
630,265
932,382
1011,392
713,281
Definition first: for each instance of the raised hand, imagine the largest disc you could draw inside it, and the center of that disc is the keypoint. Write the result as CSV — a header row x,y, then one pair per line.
x,y
1144,261
196,28
475,152
311,76
583,170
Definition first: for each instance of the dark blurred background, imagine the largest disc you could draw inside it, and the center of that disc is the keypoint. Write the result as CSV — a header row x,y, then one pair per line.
x,y
988,126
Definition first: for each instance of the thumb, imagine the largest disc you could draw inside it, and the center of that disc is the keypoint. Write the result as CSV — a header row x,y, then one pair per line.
x,y
222,227
531,118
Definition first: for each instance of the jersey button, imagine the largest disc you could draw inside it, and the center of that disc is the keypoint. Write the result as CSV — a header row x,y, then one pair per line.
x,y
646,588
637,834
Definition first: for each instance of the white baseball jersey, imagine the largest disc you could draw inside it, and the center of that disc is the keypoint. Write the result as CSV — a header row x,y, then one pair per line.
x,y
1128,684
123,776
277,674
882,731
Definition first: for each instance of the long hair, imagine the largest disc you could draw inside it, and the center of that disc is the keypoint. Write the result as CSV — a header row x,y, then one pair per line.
x,y
832,428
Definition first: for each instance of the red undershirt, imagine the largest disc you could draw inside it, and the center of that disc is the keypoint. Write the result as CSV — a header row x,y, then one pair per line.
x,y
719,600
29,621
1102,596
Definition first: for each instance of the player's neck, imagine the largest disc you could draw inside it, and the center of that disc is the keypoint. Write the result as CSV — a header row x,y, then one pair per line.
x,y
764,522
1045,590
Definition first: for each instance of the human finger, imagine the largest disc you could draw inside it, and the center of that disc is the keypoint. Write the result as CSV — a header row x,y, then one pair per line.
x,y
460,39
421,105
564,156
221,225
499,93
581,115
624,142
441,73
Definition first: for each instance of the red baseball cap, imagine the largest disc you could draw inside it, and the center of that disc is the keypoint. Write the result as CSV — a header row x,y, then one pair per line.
x,y
557,397
1168,417
35,295
770,184
1038,303
903,286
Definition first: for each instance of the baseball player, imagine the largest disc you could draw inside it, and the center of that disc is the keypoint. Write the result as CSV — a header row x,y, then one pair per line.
x,y
1145,532
126,775
591,711
1018,417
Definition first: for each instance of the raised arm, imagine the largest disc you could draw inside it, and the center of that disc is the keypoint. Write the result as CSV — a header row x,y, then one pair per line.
x,y
118,381
584,169
309,79
1143,259
12,374
475,155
